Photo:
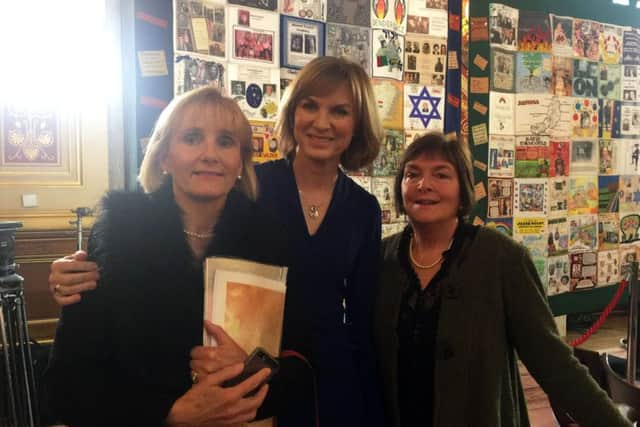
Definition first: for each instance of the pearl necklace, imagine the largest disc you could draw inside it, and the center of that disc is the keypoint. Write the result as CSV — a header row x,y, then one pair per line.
x,y
206,235
428,266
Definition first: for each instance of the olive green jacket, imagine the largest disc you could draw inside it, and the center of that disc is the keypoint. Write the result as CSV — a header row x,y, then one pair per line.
x,y
493,304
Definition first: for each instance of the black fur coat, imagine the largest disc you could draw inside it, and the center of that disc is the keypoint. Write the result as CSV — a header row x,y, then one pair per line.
x,y
121,355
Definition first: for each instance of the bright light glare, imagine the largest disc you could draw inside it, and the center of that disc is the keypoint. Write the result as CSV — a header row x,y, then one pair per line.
x,y
56,54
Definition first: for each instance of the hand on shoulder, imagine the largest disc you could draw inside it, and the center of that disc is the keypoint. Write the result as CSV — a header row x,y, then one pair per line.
x,y
70,276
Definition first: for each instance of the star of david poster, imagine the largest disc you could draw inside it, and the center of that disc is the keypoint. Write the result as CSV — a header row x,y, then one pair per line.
x,y
424,107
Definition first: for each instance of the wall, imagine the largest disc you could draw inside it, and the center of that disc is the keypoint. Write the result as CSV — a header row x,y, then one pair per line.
x,y
604,12
600,10
70,155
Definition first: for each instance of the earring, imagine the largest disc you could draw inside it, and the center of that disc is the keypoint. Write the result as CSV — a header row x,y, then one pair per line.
x,y
239,177
164,172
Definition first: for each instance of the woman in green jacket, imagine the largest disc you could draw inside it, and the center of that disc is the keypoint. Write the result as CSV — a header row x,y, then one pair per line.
x,y
455,304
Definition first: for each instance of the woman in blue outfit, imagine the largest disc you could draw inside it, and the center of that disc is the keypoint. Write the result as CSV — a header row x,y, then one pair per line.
x,y
328,122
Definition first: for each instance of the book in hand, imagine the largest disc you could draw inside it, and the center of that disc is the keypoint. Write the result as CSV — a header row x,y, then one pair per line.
x,y
246,299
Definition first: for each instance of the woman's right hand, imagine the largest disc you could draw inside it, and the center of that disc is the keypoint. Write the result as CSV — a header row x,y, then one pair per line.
x,y
70,276
209,404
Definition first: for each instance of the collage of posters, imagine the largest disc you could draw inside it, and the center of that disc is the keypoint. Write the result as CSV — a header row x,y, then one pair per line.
x,y
252,49
564,143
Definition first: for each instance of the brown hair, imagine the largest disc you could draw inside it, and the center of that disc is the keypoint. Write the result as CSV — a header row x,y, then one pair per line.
x,y
319,76
449,148
151,176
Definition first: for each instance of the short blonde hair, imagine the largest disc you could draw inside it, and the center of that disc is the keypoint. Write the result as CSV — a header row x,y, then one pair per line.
x,y
314,80
151,176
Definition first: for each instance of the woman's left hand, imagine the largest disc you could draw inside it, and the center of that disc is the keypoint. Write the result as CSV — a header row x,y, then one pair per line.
x,y
208,359
209,404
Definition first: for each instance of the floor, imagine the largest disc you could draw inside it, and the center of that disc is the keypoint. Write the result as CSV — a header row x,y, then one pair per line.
x,y
606,339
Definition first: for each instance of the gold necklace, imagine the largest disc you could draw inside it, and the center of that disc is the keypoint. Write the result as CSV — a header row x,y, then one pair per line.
x,y
313,210
428,266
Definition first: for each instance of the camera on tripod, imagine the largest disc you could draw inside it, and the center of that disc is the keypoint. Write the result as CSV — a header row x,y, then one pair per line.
x,y
8,247
18,396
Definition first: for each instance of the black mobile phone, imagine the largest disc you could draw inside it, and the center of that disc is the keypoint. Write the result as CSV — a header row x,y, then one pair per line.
x,y
257,360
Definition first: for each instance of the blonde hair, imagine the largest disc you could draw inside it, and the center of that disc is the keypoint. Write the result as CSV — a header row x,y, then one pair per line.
x,y
151,176
314,79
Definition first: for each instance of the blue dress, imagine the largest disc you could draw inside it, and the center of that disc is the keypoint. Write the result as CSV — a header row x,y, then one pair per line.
x,y
331,292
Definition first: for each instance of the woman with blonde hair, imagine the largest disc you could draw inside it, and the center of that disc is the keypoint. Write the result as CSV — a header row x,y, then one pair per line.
x,y
122,353
327,124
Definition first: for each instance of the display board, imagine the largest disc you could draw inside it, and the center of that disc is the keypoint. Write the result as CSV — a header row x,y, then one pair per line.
x,y
552,105
252,50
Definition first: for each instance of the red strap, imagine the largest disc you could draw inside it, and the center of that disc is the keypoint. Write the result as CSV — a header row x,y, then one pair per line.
x,y
293,353
603,316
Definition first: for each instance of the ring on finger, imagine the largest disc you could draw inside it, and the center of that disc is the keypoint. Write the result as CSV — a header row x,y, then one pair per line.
x,y
56,288
194,377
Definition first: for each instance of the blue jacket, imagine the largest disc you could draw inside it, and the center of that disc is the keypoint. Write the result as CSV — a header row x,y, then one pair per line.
x,y
331,292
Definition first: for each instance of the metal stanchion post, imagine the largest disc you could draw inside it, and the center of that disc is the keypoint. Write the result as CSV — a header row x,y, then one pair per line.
x,y
632,329
80,213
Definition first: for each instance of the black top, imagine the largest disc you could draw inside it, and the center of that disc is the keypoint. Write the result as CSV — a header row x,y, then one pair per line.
x,y
417,333
331,292
121,355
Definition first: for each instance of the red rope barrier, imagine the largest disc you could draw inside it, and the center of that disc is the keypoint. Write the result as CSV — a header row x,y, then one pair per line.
x,y
603,316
